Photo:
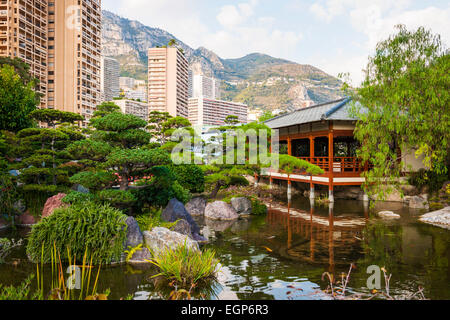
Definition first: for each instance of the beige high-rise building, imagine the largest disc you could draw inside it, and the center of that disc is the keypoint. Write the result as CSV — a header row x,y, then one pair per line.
x,y
23,34
74,59
168,81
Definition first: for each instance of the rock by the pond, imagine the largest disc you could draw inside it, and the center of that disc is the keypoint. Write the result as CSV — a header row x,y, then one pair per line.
x,y
52,204
175,210
418,202
388,215
440,218
26,220
196,207
183,227
160,239
141,256
134,234
219,225
220,210
242,205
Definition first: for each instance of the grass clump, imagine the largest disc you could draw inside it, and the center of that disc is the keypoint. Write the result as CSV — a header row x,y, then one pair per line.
x,y
152,219
186,267
99,230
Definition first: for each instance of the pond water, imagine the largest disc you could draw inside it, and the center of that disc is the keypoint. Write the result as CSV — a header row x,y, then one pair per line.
x,y
284,254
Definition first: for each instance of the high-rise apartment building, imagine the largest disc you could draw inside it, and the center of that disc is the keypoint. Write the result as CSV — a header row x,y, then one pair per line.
x,y
202,86
74,58
139,109
110,74
211,112
23,34
168,81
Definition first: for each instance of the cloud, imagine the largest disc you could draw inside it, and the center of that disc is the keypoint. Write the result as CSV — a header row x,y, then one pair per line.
x,y
231,16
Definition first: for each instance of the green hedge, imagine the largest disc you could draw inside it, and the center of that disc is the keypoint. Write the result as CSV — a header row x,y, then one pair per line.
x,y
98,230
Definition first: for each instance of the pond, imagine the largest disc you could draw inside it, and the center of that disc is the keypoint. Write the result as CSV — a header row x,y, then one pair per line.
x,y
283,255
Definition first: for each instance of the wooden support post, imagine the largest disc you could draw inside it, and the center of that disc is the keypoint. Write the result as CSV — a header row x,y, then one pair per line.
x,y
311,149
289,190
289,141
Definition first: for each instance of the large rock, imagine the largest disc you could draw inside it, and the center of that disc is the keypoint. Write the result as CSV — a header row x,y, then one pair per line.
x,y
388,215
196,207
134,234
160,239
141,256
418,202
219,225
183,227
440,218
52,204
175,210
26,220
242,205
220,210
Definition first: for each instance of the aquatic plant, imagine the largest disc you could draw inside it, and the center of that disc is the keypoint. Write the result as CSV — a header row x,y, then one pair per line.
x,y
186,267
99,229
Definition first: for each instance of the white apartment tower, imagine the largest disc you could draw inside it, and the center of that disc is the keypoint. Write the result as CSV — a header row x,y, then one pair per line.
x,y
202,86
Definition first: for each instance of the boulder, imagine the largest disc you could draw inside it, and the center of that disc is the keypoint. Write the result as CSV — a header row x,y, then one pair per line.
x,y
160,239
196,207
79,188
418,202
220,210
26,220
134,234
388,215
183,227
440,218
140,256
52,204
242,205
175,210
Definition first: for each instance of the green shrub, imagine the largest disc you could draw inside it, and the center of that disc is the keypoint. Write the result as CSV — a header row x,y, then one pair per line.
x,y
152,219
99,230
21,292
258,208
118,197
239,181
425,178
186,267
160,189
8,195
190,176
78,197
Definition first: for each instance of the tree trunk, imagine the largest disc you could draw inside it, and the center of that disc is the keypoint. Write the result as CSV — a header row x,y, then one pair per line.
x,y
216,190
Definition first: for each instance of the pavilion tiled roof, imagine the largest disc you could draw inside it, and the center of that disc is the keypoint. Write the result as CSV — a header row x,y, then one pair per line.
x,y
334,110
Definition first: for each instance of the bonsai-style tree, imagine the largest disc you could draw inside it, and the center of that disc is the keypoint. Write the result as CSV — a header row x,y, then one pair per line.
x,y
156,121
116,154
44,164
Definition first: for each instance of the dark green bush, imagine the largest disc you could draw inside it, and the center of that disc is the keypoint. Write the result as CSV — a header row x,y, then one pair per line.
x,y
78,197
160,189
425,178
190,176
239,181
98,230
258,208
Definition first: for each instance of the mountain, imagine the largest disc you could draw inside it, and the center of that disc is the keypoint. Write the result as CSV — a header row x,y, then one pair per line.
x,y
257,79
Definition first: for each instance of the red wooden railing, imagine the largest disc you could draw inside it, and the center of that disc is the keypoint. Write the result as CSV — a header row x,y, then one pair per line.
x,y
340,165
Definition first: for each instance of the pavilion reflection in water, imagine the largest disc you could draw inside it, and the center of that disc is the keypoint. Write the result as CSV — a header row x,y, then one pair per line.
x,y
317,238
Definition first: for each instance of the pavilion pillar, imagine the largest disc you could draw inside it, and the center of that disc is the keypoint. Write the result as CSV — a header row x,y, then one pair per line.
x,y
289,141
289,190
331,164
312,191
311,148
271,183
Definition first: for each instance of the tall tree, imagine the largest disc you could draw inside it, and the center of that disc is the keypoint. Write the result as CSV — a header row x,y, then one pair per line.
x,y
17,100
403,105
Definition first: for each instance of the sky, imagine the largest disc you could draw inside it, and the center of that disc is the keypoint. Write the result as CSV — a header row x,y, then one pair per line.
x,y
337,36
